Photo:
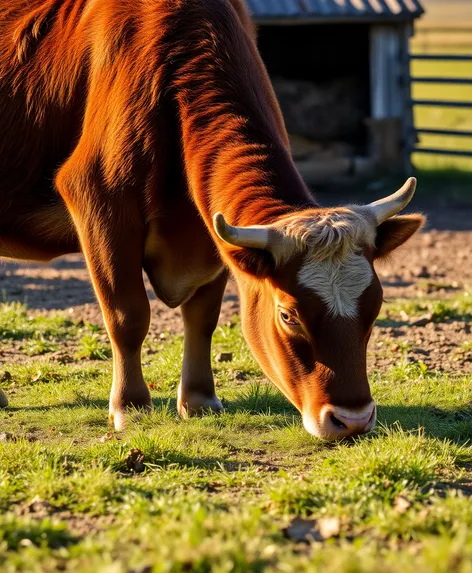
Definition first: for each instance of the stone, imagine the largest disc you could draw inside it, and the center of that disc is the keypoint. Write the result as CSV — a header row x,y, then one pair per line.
x,y
329,527
422,320
224,357
423,273
240,376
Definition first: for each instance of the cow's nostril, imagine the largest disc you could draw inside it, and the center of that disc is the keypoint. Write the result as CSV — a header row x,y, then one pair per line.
x,y
337,422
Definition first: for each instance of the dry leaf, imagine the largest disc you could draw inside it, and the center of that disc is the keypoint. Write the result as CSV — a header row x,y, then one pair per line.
x,y
306,530
423,514
38,505
108,436
134,460
401,504
37,376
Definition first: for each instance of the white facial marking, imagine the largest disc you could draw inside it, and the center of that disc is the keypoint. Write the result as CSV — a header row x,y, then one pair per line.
x,y
338,283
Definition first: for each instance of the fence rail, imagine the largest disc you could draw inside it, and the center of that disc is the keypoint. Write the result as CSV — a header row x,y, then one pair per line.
x,y
430,37
443,57
455,132
450,81
437,151
441,103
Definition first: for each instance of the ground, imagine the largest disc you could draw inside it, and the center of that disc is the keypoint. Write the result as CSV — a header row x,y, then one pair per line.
x,y
249,490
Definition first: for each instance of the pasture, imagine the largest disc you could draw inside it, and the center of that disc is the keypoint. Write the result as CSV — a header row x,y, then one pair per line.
x,y
248,490
455,15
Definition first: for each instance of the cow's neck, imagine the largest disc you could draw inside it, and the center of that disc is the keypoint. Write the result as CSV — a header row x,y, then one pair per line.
x,y
244,173
236,151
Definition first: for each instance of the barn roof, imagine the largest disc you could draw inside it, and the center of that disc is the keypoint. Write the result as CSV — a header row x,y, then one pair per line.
x,y
335,10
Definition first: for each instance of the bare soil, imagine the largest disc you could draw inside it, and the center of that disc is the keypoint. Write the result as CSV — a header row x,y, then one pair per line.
x,y
435,264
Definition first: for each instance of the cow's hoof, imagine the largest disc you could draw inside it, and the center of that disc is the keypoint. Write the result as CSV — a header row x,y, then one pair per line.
x,y
118,420
194,404
122,418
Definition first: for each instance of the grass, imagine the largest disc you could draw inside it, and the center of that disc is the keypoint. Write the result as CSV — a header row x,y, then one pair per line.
x,y
93,348
219,493
458,307
439,14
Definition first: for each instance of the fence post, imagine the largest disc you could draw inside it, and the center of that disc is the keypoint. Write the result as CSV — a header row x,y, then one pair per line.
x,y
387,96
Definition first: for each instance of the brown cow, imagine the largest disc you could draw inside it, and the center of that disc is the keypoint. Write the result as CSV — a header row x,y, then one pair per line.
x,y
146,134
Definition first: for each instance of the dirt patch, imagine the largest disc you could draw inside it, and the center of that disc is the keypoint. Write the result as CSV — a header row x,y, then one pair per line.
x,y
436,264
80,525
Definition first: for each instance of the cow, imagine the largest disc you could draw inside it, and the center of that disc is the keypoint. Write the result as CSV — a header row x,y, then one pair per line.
x,y
146,135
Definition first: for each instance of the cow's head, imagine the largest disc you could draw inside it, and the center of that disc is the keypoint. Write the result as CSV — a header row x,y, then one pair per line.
x,y
309,299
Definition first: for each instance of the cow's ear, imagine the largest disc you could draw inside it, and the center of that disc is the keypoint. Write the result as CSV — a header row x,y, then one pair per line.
x,y
258,263
395,232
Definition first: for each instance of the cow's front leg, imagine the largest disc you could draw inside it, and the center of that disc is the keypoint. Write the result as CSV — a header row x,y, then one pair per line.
x,y
111,233
196,393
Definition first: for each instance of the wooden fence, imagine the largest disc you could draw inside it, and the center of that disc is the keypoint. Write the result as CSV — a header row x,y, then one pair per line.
x,y
442,57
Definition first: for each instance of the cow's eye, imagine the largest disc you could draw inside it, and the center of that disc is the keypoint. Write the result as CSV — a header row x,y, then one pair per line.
x,y
288,318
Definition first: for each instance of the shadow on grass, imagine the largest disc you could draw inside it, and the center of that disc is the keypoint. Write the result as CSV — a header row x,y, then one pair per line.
x,y
265,403
93,403
453,424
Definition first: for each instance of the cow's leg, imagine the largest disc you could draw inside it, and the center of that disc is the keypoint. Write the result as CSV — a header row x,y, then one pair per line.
x,y
111,233
197,388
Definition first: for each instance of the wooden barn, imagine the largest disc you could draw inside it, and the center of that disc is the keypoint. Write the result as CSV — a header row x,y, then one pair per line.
x,y
341,72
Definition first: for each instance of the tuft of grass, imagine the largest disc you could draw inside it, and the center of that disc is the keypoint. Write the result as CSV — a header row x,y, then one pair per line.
x,y
92,348
38,345
466,347
16,323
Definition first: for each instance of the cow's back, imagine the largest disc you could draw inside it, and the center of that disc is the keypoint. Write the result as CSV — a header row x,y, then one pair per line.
x,y
42,97
51,52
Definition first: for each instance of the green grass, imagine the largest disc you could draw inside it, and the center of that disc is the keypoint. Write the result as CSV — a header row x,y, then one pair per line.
x,y
440,117
93,348
17,324
458,307
217,493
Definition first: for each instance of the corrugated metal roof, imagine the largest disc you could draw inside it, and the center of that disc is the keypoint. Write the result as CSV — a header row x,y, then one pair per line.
x,y
335,9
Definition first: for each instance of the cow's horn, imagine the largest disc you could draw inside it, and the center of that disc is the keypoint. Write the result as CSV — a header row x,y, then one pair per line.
x,y
254,237
392,205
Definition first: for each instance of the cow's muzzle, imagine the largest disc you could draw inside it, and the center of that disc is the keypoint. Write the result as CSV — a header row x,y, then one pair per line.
x,y
335,423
